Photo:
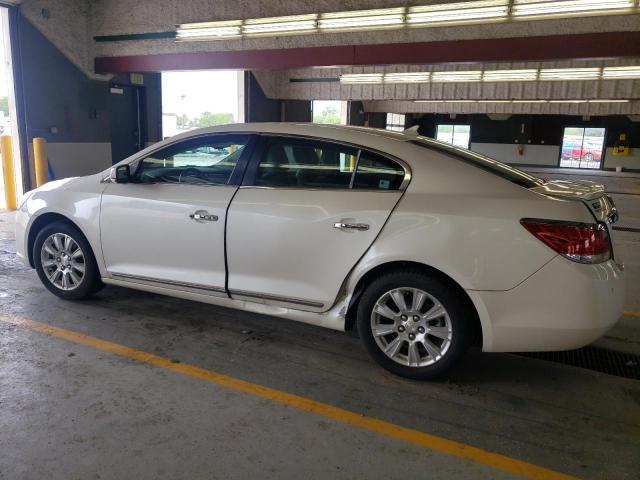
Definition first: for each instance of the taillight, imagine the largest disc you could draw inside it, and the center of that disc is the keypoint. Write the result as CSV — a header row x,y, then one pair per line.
x,y
579,242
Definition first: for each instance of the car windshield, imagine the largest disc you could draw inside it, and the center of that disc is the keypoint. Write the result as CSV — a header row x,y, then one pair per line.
x,y
503,170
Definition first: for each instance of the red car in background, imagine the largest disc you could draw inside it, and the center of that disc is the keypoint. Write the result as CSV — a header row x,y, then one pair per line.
x,y
587,153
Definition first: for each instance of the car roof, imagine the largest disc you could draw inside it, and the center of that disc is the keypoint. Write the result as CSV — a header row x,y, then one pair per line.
x,y
347,133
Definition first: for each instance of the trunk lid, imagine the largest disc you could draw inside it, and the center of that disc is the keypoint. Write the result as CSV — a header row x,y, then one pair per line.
x,y
592,194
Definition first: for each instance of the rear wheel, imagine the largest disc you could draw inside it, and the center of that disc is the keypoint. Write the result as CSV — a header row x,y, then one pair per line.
x,y
65,263
414,325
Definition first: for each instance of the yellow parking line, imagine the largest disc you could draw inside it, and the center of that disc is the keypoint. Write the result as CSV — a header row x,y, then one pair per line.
x,y
631,314
432,442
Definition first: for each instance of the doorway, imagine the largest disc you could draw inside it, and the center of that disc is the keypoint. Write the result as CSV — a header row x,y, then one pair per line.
x,y
203,98
8,115
582,147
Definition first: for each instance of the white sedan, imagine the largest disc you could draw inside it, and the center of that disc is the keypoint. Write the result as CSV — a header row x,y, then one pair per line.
x,y
424,247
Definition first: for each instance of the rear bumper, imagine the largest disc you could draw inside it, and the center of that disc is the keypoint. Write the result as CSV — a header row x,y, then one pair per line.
x,y
564,305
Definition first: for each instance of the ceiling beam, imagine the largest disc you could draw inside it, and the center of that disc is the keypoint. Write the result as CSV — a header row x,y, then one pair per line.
x,y
552,47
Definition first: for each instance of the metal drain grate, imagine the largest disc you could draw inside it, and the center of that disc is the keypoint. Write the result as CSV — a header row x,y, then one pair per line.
x,y
592,358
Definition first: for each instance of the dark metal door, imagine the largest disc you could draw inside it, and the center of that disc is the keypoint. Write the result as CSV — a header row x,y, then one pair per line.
x,y
125,118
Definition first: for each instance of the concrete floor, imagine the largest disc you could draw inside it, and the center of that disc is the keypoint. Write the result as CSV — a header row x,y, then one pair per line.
x,y
73,412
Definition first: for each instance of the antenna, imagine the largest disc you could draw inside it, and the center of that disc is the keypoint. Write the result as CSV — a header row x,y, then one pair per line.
x,y
412,131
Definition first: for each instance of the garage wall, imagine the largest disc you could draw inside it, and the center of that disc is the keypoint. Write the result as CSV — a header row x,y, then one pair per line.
x,y
64,106
61,105
541,136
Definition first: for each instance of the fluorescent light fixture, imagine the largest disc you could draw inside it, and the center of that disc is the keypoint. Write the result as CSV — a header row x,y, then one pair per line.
x,y
361,78
457,76
462,12
407,77
445,101
522,75
570,73
510,75
594,100
209,30
475,11
620,73
535,8
362,19
289,24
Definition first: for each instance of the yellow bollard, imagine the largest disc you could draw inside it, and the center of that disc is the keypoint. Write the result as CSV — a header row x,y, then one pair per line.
x,y
40,161
6,149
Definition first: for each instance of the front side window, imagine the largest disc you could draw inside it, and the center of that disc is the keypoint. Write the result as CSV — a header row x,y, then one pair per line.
x,y
457,135
207,160
299,163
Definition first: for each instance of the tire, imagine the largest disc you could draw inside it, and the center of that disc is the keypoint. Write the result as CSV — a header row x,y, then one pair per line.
x,y
588,157
450,329
55,250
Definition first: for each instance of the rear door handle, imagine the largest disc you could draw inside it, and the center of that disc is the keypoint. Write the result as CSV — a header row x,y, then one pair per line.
x,y
351,226
203,216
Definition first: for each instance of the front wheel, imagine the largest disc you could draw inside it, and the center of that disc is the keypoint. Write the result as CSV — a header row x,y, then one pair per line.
x,y
414,325
65,263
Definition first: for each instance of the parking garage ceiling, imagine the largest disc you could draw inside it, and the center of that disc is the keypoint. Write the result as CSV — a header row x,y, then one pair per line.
x,y
452,51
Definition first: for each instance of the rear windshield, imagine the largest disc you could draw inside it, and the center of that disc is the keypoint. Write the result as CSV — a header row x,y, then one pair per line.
x,y
490,165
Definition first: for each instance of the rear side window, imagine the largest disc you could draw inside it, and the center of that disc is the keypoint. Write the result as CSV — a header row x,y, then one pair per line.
x,y
301,163
378,173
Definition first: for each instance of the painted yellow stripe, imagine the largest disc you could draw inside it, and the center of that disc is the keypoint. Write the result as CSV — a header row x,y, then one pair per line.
x,y
432,442
631,314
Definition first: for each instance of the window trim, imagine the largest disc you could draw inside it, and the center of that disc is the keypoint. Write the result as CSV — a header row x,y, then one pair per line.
x,y
235,179
257,153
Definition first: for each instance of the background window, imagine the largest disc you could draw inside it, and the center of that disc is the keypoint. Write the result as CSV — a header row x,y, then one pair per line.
x,y
582,147
377,172
458,135
198,161
306,164
396,122
333,112
201,98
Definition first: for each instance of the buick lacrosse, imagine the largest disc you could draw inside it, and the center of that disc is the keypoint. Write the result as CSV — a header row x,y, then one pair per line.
x,y
425,248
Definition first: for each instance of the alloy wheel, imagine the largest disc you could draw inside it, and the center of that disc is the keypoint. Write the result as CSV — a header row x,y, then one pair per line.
x,y
63,261
411,327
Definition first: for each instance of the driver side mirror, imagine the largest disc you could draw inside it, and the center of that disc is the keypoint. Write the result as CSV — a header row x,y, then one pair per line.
x,y
123,174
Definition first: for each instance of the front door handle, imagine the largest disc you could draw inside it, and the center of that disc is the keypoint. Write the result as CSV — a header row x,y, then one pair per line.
x,y
203,216
351,226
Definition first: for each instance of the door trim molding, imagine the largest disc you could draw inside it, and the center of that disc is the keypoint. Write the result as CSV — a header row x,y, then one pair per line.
x,y
198,286
276,298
